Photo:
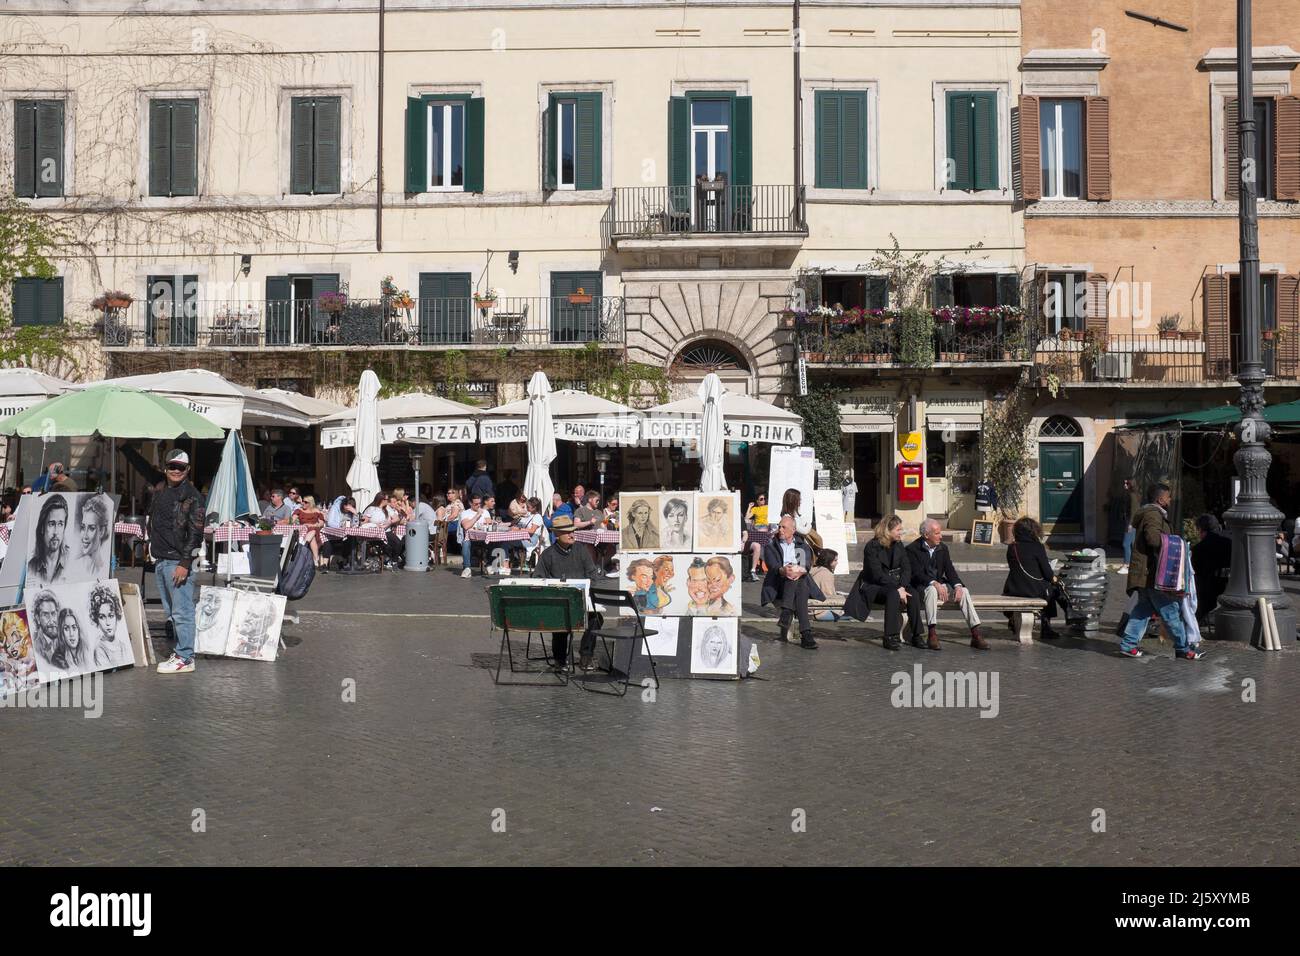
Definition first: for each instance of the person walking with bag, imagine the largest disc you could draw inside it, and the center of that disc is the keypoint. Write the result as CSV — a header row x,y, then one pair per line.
x,y
175,535
1150,577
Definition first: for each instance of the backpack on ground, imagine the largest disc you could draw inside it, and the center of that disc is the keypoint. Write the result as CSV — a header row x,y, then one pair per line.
x,y
297,574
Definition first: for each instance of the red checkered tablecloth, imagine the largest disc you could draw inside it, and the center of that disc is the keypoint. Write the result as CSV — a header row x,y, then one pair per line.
x,y
596,536
4,532
128,528
364,531
240,532
491,537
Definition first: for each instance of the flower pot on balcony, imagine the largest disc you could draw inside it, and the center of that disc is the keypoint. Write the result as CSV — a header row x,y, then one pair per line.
x,y
1169,333
787,320
1190,335
814,357
1067,334
954,357
1270,335
576,299
484,304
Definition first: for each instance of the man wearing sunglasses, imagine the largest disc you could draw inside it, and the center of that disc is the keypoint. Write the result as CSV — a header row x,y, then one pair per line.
x,y
175,535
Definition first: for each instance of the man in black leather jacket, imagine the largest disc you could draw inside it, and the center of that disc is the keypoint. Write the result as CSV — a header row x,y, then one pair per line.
x,y
175,535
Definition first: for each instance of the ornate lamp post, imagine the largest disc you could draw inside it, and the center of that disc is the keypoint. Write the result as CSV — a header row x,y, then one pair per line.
x,y
1252,519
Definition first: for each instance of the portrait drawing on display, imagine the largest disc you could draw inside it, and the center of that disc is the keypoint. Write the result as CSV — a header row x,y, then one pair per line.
x,y
713,647
51,554
17,657
641,530
112,643
717,527
675,533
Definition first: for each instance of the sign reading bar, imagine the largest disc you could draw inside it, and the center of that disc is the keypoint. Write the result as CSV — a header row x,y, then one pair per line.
x,y
447,432
688,429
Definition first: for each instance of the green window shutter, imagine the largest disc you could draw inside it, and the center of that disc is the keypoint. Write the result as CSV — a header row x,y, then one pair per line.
x,y
587,144
984,160
826,108
474,116
49,148
550,137
1009,289
24,148
324,282
26,301
185,147
853,125
960,173
417,140
279,316
679,142
325,151
302,115
160,148
432,286
942,293
277,289
877,292
742,141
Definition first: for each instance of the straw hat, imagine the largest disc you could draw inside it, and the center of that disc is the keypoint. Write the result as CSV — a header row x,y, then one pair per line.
x,y
813,538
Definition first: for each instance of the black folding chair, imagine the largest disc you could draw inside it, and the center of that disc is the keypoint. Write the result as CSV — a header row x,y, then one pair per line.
x,y
631,629
535,610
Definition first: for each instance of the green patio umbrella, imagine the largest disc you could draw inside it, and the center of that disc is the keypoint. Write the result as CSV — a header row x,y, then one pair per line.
x,y
110,411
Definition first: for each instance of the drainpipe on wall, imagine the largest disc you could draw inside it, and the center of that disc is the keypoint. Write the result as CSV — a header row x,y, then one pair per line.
x,y
379,149
797,39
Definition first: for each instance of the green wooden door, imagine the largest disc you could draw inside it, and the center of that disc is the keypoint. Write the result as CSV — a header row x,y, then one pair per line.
x,y
575,321
445,308
1060,486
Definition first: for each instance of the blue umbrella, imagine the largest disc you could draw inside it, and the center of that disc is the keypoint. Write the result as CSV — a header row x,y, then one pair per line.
x,y
233,495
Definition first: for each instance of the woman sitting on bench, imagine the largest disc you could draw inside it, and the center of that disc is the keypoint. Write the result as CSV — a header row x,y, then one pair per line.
x,y
885,576
1030,573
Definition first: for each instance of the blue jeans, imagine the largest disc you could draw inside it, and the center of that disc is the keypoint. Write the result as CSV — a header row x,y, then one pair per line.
x,y
178,605
1129,537
465,547
1169,608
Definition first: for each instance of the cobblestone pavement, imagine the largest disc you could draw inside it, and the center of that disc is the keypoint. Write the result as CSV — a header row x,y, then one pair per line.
x,y
413,772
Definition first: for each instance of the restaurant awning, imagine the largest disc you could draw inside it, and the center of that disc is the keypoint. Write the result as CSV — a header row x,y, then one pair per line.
x,y
415,417
1285,415
222,402
860,423
315,408
21,388
575,415
743,419
954,421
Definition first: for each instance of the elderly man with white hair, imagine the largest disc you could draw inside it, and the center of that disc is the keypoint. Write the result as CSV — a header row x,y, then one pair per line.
x,y
936,579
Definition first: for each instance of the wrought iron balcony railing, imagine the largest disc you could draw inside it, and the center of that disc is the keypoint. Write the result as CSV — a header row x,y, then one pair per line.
x,y
1132,358
649,212
335,321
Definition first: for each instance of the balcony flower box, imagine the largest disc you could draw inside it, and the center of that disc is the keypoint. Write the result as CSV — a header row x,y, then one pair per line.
x,y
1168,334
1270,335
581,297
1190,335
112,300
815,357
485,302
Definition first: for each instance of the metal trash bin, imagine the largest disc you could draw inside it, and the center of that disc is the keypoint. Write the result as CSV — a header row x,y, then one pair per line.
x,y
417,546
1084,575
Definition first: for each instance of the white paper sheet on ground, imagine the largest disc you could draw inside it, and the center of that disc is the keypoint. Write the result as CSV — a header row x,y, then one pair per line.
x,y
664,643
255,626
212,617
829,507
713,646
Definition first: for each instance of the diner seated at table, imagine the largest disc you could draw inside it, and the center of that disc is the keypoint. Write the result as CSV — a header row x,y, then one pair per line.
x,y
472,518
558,507
378,515
611,513
310,521
589,514
279,509
518,505
530,521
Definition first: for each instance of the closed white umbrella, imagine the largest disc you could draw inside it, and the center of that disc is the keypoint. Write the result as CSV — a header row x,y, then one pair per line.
x,y
541,440
363,476
713,442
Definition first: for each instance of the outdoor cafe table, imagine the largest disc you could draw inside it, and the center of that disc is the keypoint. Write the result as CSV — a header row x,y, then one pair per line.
x,y
596,536
128,528
365,532
497,537
242,532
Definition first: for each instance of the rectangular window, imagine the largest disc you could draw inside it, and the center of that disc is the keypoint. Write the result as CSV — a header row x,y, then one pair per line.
x,y
855,291
1063,301
841,138
1265,146
38,301
1267,320
446,149
173,147
973,140
315,131
975,289
173,310
566,157
38,148
1061,148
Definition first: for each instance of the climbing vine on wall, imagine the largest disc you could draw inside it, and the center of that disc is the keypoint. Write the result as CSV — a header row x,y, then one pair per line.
x,y
820,411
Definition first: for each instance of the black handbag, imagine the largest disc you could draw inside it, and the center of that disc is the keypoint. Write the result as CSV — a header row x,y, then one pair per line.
x,y
1055,588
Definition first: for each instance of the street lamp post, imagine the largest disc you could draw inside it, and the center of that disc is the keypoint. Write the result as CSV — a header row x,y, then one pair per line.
x,y
1252,519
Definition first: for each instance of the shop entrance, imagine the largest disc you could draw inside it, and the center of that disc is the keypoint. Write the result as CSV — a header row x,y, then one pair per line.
x,y
866,472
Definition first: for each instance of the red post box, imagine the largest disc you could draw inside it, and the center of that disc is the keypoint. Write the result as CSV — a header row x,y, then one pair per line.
x,y
911,481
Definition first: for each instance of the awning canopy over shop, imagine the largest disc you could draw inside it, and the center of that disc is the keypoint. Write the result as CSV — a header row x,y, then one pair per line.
x,y
575,416
954,421
851,424
21,388
743,419
1286,415
417,417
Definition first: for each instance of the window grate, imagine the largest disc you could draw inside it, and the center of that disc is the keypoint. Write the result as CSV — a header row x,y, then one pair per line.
x,y
1059,426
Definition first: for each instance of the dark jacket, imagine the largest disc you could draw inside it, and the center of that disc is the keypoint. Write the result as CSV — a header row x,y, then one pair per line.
x,y
878,567
577,562
774,581
1029,569
1211,560
480,483
176,524
1150,523
927,569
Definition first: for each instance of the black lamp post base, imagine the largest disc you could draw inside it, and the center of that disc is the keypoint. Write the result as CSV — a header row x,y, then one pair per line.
x,y
1243,624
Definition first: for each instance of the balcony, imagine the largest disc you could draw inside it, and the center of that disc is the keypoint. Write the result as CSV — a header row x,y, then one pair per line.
x,y
652,217
882,337
1132,359
335,322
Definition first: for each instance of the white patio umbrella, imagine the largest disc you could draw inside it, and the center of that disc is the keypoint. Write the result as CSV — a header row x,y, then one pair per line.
x,y
313,408
413,417
363,476
219,400
541,440
20,389
575,416
713,442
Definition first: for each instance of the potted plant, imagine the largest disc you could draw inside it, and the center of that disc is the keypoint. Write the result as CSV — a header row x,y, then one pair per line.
x,y
265,526
1066,334
581,297
388,287
111,300
1167,326
488,299
332,302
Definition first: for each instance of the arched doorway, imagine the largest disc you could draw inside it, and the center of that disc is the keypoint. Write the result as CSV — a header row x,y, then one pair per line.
x,y
700,358
1060,475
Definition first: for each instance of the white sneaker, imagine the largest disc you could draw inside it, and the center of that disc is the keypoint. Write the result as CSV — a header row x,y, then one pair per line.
x,y
176,665
468,572
1123,569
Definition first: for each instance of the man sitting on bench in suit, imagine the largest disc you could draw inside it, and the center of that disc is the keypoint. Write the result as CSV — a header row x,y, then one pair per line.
x,y
935,578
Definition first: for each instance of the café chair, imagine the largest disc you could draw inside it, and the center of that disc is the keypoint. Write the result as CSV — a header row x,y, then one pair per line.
x,y
541,611
630,629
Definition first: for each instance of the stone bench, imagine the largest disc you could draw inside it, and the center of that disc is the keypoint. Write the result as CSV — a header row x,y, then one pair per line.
x,y
1022,610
